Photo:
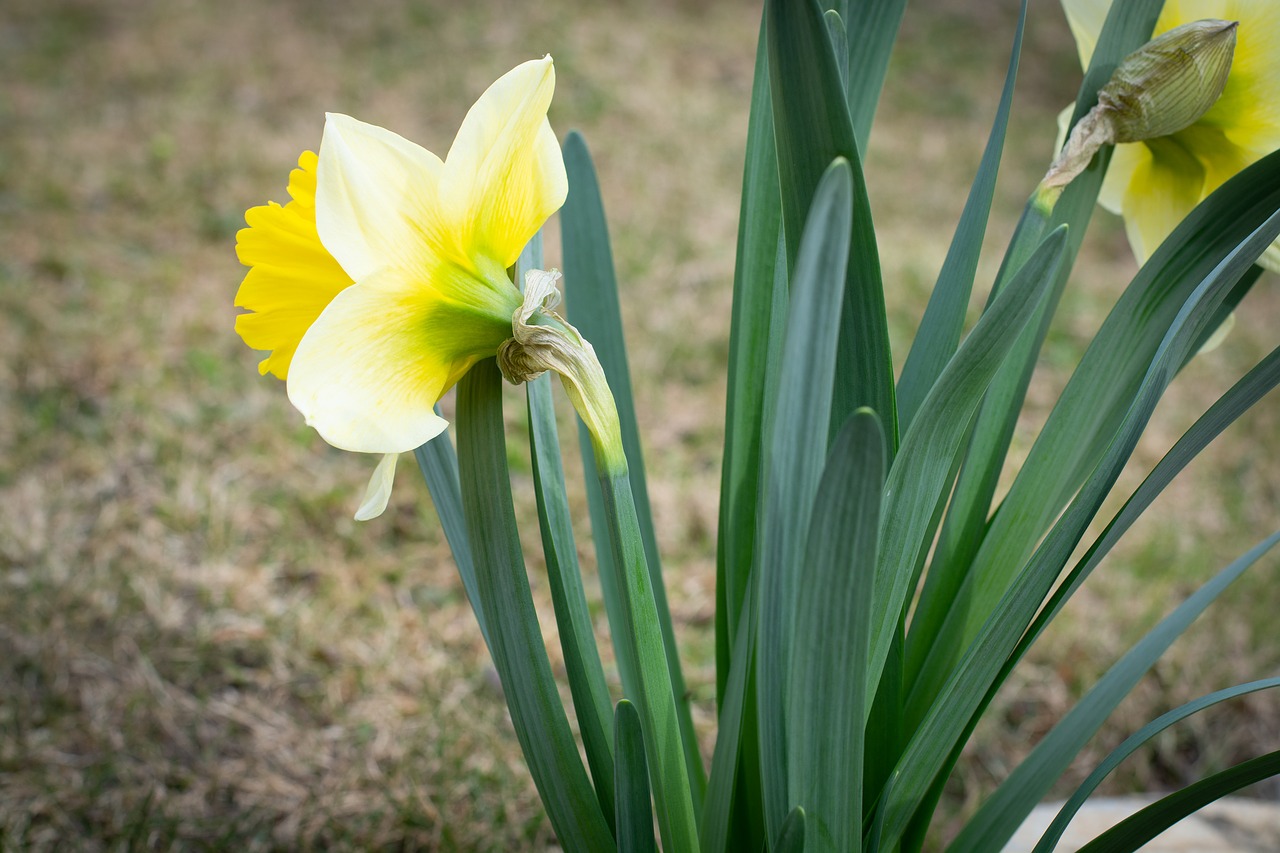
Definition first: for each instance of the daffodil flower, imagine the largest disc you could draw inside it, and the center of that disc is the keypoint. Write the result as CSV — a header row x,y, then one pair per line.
x,y
1154,184
385,278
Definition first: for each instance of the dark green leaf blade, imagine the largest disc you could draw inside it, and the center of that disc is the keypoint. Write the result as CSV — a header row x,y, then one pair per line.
x,y
517,648
795,461
1003,812
939,332
439,466
920,476
1131,744
582,664
812,128
755,279
825,731
949,714
635,814
1133,832
592,302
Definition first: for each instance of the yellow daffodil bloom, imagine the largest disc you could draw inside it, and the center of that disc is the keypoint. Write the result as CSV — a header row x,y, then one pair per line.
x,y
385,278
1155,184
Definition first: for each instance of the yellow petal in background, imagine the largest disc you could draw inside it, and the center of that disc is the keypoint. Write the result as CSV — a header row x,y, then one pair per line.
x,y
1166,185
292,276
504,175
1086,17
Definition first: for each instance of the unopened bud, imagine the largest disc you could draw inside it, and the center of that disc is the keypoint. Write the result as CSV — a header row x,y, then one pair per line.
x,y
1166,85
542,340
1161,88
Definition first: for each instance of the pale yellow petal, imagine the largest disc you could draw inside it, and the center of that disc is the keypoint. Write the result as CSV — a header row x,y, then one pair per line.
x,y
376,199
1249,110
1086,18
292,276
378,492
1271,257
1125,160
370,370
1219,335
504,175
1165,187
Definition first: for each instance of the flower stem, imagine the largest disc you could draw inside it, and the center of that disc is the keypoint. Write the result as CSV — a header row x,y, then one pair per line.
x,y
642,652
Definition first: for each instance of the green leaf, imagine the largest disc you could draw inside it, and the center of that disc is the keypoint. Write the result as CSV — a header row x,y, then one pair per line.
x,y
516,640
757,275
635,816
1006,809
873,28
949,714
638,643
812,128
1132,744
791,838
795,461
1134,831
439,466
592,302
1128,26
1255,385
732,739
939,332
833,620
1081,427
582,664
920,476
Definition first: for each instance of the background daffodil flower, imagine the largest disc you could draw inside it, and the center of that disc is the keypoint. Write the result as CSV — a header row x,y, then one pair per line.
x,y
385,278
1155,184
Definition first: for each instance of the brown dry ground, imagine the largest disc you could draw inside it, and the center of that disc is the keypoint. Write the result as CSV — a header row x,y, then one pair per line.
x,y
199,648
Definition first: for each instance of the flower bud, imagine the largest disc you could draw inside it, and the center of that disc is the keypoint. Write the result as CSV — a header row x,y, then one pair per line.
x,y
541,340
1161,88
1166,85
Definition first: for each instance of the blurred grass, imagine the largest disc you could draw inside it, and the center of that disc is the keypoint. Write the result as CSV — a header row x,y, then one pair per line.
x,y
199,648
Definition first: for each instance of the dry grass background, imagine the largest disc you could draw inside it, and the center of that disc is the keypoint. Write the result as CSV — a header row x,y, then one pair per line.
x,y
200,650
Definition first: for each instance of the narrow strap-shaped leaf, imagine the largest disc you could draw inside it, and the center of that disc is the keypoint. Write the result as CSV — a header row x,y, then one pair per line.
x,y
638,641
949,712
635,815
439,466
939,332
1131,744
582,664
873,28
1128,26
920,476
1004,811
714,831
791,838
1083,422
812,128
592,303
1136,830
1249,390
754,280
825,730
795,461
517,648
